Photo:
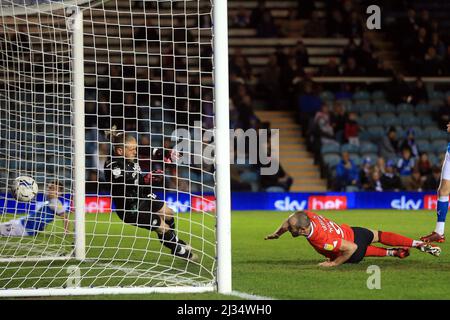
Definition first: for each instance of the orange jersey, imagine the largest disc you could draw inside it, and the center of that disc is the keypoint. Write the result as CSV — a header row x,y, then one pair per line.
x,y
326,236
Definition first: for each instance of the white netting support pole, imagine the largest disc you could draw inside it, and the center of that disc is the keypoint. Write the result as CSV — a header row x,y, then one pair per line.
x,y
79,136
222,140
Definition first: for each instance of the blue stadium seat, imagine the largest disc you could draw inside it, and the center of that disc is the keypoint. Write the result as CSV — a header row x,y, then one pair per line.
x,y
330,148
331,160
346,103
361,95
275,189
368,147
390,121
364,107
439,145
436,95
350,148
434,159
356,159
424,145
327,96
419,133
426,120
368,115
370,122
376,133
410,120
438,134
384,107
378,95
404,108
423,108
364,135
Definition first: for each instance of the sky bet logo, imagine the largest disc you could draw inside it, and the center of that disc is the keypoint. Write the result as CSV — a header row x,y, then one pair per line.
x,y
404,204
313,203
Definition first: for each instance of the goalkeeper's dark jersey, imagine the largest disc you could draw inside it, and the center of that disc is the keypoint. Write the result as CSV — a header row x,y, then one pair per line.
x,y
127,184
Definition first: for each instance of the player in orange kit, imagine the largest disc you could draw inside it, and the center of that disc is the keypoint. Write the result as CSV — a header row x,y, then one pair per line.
x,y
345,244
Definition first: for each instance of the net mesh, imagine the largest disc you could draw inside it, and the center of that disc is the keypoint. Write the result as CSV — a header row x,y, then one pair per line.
x,y
148,71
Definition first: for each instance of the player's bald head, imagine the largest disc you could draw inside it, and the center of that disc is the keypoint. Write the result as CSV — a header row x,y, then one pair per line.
x,y
299,220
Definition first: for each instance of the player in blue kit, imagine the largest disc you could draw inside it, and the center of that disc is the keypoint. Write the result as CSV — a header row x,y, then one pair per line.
x,y
442,204
37,219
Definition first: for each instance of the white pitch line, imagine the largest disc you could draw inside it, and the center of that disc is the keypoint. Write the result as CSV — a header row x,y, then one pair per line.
x,y
249,296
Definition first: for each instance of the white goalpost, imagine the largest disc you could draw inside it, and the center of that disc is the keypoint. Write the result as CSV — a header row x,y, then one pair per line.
x,y
157,72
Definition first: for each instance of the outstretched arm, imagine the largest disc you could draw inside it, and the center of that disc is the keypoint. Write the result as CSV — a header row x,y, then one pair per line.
x,y
282,229
347,249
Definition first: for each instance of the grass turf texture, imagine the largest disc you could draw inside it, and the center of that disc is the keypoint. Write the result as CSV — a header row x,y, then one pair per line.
x,y
287,268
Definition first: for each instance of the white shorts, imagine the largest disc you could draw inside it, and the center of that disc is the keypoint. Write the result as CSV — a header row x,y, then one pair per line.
x,y
13,228
445,173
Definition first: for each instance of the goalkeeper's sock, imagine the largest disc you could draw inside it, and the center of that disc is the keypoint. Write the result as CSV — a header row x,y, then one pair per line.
x,y
393,239
373,251
441,210
170,240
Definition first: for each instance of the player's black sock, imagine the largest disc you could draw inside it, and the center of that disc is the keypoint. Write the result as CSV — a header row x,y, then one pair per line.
x,y
170,240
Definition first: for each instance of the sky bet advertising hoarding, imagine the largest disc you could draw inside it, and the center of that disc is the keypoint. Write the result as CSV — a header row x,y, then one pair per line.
x,y
183,202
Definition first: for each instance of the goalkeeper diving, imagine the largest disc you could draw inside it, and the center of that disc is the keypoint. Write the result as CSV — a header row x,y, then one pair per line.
x,y
133,197
40,216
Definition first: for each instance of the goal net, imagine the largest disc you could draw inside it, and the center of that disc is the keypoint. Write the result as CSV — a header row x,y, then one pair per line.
x,y
70,71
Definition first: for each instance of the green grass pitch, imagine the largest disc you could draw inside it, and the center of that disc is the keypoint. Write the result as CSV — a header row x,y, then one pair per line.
x,y
287,268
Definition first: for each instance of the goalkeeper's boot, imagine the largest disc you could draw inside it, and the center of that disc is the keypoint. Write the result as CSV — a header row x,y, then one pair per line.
x,y
433,237
430,248
401,253
185,252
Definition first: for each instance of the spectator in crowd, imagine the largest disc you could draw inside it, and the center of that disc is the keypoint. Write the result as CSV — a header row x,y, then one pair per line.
x,y
257,13
338,120
399,90
269,82
92,183
308,103
331,69
432,180
443,115
390,180
431,65
351,130
240,19
365,174
414,182
438,45
389,146
280,179
315,27
410,143
301,55
380,165
354,25
423,164
347,174
351,69
405,164
335,24
375,183
267,27
419,92
240,66
323,129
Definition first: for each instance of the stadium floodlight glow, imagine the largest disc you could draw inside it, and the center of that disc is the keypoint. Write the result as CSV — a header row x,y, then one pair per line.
x,y
69,71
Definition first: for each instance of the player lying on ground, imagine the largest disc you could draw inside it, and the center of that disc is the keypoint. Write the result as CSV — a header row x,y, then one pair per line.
x,y
442,204
344,244
37,219
132,195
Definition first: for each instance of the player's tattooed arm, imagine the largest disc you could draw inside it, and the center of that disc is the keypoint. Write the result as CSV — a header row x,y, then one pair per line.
x,y
282,229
